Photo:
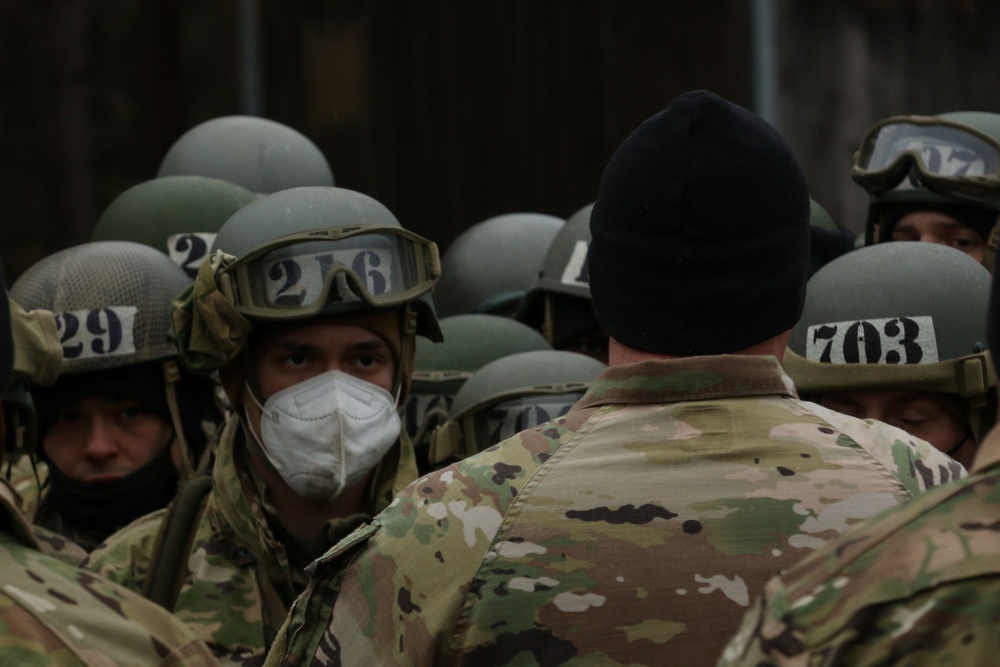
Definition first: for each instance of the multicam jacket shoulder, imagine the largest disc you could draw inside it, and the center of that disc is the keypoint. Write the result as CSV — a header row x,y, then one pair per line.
x,y
55,614
634,530
918,585
239,583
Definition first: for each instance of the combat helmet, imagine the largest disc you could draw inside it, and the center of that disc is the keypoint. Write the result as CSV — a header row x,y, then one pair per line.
x,y
509,395
111,302
558,304
948,160
261,155
301,253
177,215
440,369
488,268
872,320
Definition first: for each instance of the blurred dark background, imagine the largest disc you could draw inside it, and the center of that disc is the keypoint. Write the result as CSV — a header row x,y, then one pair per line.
x,y
451,112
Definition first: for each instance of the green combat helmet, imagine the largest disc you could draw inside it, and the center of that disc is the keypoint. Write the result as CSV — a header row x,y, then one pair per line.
x,y
509,395
820,217
177,215
111,301
261,155
873,320
950,160
300,253
558,304
488,268
439,370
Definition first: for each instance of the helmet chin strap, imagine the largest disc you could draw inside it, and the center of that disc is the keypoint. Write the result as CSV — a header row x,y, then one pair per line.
x,y
171,376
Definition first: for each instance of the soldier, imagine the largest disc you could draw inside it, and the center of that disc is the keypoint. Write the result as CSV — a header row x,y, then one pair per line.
x,y
827,241
51,612
440,369
558,304
258,154
919,585
635,528
509,395
877,340
933,179
122,425
488,268
308,309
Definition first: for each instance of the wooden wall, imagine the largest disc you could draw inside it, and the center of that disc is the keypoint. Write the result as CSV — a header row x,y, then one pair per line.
x,y
447,111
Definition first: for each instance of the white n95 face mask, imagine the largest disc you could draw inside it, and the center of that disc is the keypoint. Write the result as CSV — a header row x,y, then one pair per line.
x,y
325,434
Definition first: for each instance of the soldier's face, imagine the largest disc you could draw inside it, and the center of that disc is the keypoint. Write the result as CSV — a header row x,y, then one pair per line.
x,y
919,413
289,355
102,437
936,227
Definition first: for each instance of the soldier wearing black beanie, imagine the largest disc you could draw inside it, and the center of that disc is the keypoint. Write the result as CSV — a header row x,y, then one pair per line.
x,y
700,232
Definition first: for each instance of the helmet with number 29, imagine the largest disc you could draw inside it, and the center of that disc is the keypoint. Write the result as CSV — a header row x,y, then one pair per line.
x,y
111,301
874,321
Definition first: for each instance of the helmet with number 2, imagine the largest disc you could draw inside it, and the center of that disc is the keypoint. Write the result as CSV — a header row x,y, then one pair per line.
x,y
177,215
873,320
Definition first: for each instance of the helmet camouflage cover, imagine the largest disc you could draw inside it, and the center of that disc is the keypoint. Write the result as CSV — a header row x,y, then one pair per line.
x,y
111,301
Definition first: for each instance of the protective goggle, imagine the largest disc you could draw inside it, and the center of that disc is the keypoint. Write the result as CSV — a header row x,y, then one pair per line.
x,y
951,158
302,274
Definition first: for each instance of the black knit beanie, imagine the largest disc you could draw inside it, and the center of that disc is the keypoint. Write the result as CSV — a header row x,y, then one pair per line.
x,y
700,232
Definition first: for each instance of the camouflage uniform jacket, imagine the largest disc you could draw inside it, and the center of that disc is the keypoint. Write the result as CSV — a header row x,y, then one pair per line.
x,y
240,581
54,614
919,585
634,530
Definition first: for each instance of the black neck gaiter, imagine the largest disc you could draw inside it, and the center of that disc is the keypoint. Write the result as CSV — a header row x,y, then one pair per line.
x,y
107,506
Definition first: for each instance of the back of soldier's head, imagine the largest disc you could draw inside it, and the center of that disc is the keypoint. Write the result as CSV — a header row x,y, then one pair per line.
x,y
700,232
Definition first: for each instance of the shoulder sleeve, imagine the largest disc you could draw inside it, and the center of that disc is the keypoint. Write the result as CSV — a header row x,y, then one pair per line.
x,y
124,557
917,464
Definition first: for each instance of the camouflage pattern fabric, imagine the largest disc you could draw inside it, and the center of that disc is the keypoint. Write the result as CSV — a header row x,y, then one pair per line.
x,y
55,614
240,581
634,530
919,585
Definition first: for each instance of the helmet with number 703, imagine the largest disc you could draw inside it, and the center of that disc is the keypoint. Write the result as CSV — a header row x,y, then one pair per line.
x,y
177,215
897,316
